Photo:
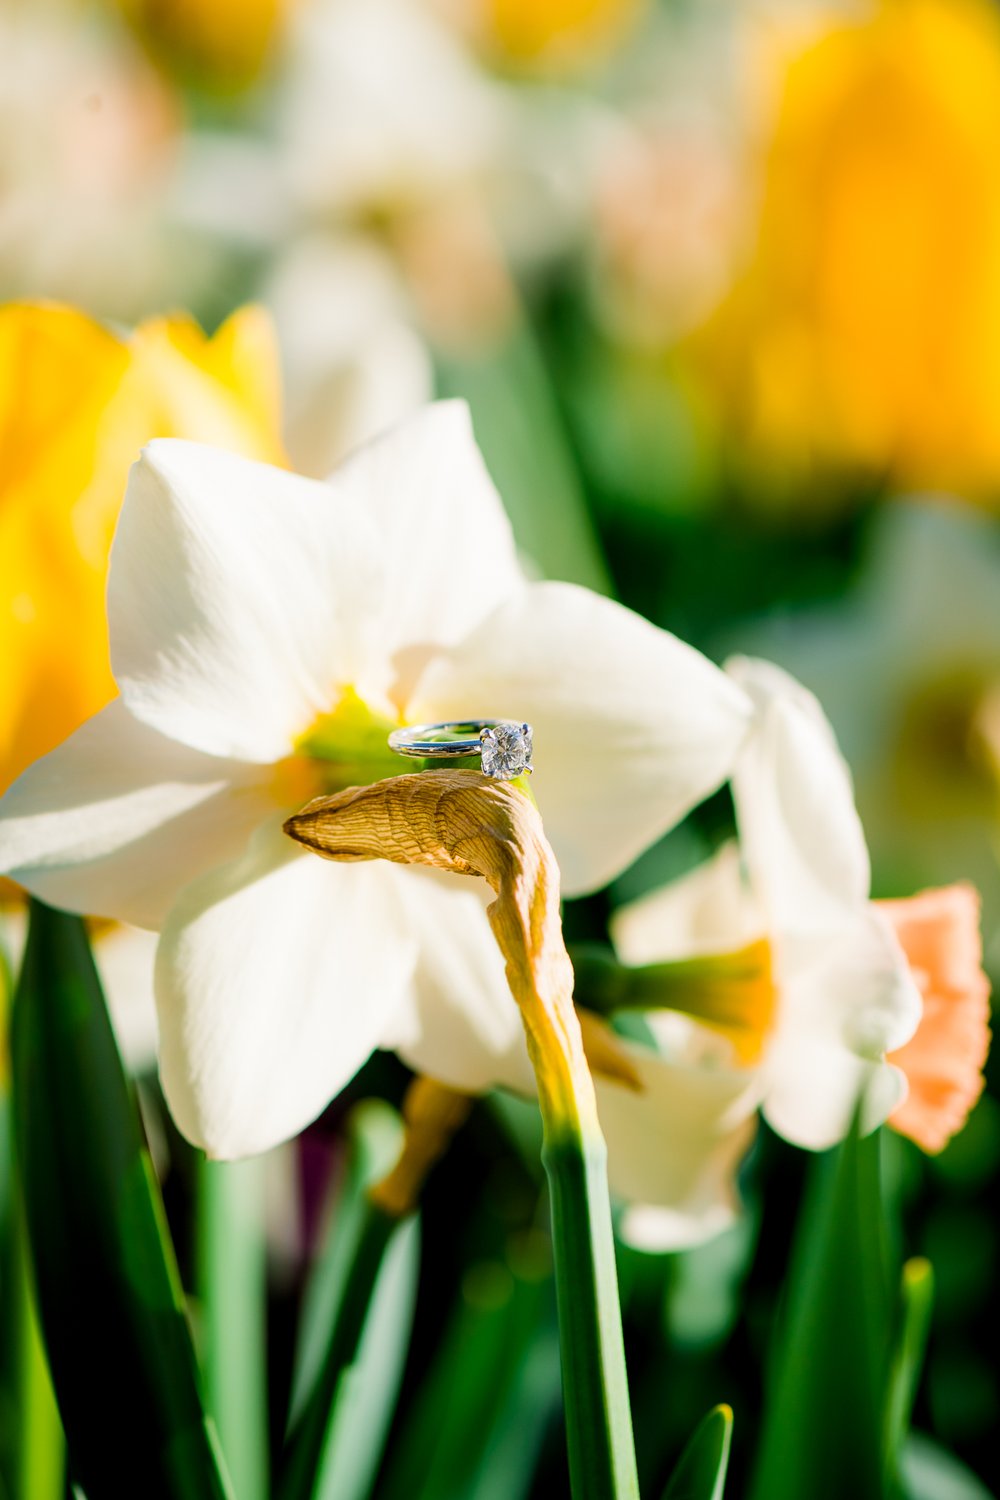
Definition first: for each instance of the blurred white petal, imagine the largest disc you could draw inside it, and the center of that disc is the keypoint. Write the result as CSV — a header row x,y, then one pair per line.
x,y
125,957
386,108
710,910
632,727
353,365
800,832
845,1001
459,1022
675,1148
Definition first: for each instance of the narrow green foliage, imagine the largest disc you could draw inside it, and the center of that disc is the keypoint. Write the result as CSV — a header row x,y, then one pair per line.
x,y
824,1416
109,1295
232,1288
357,1316
595,1388
40,1461
701,1469
916,1306
476,1428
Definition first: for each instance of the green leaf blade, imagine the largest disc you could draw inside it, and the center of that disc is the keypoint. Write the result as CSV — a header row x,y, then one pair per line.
x,y
105,1273
357,1316
824,1418
701,1469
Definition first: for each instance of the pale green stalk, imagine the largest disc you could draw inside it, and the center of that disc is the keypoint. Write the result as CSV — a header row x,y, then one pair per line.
x,y
232,1287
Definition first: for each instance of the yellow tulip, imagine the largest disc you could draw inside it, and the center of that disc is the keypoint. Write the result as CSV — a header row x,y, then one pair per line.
x,y
555,33
219,44
77,402
866,332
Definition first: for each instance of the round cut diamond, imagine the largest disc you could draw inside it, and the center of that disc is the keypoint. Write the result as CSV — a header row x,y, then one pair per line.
x,y
506,751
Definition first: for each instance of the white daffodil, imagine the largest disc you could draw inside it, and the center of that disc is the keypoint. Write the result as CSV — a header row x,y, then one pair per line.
x,y
384,107
904,667
88,138
353,365
845,992
675,1147
266,632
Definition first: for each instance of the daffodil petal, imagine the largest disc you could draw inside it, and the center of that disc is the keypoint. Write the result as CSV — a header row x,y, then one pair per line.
x,y
674,1148
118,817
236,600
846,1000
276,975
632,727
710,910
459,1023
445,542
125,957
801,835
813,1100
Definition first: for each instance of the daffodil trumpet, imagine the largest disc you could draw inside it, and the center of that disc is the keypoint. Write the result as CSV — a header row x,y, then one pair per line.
x,y
466,823
733,993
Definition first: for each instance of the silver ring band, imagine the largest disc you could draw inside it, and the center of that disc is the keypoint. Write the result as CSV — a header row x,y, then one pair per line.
x,y
503,745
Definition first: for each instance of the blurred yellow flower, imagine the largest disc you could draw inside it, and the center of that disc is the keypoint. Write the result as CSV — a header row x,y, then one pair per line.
x,y
553,33
219,44
77,402
866,331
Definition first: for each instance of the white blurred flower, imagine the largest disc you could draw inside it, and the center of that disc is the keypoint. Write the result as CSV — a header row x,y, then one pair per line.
x,y
389,127
383,108
87,139
353,364
845,992
905,665
266,631
124,957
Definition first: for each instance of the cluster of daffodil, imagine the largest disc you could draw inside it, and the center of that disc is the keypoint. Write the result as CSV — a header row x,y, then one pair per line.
x,y
554,301
266,632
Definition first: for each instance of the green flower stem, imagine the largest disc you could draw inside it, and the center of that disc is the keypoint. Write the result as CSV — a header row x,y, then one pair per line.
x,y
232,1286
595,1385
307,1439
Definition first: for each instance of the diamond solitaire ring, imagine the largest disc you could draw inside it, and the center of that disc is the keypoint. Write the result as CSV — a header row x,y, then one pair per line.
x,y
505,747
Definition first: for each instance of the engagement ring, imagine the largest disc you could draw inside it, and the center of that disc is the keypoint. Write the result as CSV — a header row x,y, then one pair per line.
x,y
505,747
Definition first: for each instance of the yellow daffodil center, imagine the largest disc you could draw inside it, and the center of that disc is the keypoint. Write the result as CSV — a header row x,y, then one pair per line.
x,y
349,747
345,747
732,993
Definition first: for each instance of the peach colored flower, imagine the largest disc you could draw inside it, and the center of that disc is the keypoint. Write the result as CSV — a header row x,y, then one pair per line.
x,y
943,1061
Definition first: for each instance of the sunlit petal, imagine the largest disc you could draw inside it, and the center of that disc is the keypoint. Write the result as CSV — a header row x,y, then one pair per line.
x,y
234,596
116,819
632,727
275,977
801,835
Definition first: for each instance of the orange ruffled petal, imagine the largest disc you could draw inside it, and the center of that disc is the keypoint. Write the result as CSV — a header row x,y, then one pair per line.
x,y
943,1061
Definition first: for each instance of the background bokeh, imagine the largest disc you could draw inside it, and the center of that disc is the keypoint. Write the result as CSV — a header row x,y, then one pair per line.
x,y
720,280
